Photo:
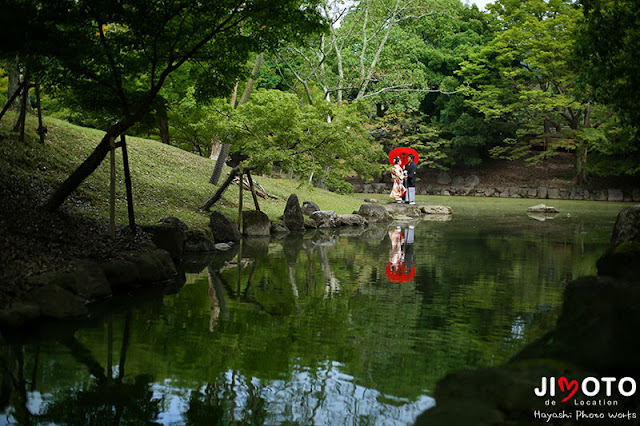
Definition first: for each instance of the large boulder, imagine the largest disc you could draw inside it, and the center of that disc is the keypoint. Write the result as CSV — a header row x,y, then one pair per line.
x,y
403,210
309,207
169,237
88,281
57,302
325,218
223,229
293,217
351,220
542,208
198,241
439,210
255,224
374,213
622,260
627,227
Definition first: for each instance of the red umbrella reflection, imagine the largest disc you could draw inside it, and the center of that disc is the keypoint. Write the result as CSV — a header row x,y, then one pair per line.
x,y
403,152
400,273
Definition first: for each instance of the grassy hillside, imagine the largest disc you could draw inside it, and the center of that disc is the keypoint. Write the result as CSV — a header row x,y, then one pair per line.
x,y
166,181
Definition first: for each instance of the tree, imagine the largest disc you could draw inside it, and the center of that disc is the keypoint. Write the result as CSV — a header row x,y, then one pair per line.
x,y
117,56
526,75
609,50
275,130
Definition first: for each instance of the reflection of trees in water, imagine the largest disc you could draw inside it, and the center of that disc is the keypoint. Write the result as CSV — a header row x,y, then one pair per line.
x,y
107,399
323,395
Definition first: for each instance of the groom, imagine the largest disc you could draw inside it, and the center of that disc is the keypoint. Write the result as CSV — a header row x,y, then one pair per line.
x,y
410,171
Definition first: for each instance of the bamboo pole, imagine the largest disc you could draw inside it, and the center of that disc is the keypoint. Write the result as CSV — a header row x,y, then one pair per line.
x,y
240,172
112,192
253,190
127,183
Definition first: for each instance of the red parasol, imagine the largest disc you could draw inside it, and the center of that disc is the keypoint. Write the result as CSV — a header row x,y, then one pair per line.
x,y
403,152
401,274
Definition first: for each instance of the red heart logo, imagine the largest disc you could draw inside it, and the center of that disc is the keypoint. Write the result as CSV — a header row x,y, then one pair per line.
x,y
563,382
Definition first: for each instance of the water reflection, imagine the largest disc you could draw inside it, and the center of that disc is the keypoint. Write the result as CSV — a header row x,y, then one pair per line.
x,y
306,328
401,267
323,396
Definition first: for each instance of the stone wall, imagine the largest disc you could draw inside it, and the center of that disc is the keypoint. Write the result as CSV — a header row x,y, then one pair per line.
x,y
472,187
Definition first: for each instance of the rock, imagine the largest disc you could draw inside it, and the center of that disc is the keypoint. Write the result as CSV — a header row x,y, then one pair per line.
x,y
471,181
457,182
222,246
171,220
542,208
278,228
351,220
325,218
444,178
371,200
380,188
19,313
543,192
576,194
445,192
293,217
592,329
169,237
310,224
121,272
635,194
406,210
436,210
198,241
489,192
374,213
57,302
88,281
309,207
553,194
627,226
223,229
531,192
153,266
368,188
255,224
615,195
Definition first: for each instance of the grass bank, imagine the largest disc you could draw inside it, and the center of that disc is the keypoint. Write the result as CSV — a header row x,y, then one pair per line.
x,y
166,181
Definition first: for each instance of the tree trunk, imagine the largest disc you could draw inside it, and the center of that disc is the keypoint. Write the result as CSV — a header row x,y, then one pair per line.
x,y
13,72
234,95
254,75
163,123
580,161
88,166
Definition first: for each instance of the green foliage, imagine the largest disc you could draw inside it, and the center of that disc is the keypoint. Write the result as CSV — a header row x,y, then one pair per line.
x,y
275,130
609,52
112,58
525,76
166,180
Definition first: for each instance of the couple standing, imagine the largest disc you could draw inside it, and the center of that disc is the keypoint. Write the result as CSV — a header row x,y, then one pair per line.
x,y
404,180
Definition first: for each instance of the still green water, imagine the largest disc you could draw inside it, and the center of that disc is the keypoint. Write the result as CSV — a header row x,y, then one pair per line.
x,y
315,328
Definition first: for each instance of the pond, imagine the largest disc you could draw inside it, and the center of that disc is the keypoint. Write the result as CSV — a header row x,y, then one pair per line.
x,y
351,326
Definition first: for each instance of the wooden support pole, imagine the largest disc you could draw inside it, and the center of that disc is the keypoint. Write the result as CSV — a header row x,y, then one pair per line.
x,y
127,183
13,98
41,130
211,201
253,190
112,190
241,171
